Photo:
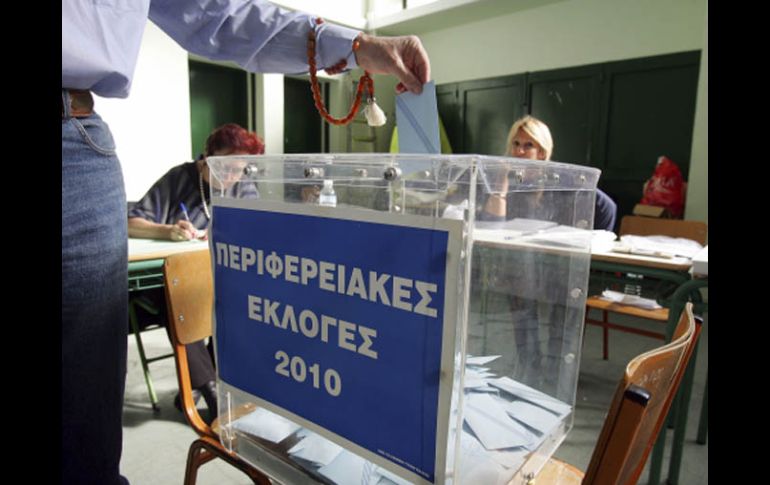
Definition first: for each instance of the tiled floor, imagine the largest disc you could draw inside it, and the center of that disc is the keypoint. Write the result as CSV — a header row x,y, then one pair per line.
x,y
155,444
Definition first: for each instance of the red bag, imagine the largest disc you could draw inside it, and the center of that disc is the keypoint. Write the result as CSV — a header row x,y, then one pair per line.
x,y
666,188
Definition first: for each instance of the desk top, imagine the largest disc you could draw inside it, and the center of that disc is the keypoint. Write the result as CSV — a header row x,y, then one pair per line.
x,y
600,250
674,264
147,249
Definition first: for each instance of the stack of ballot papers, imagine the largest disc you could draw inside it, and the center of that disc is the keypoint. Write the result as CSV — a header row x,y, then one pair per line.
x,y
503,422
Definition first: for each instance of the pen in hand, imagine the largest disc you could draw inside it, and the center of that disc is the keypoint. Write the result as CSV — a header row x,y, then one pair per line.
x,y
187,217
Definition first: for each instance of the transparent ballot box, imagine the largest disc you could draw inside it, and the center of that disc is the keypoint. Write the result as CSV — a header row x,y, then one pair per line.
x,y
398,318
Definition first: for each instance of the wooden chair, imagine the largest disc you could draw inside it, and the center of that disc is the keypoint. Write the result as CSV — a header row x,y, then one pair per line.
x,y
636,415
642,226
189,292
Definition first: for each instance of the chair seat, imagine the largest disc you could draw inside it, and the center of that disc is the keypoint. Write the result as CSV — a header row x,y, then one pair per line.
x,y
660,314
559,473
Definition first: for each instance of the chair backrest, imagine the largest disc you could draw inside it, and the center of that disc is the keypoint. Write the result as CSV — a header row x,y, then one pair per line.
x,y
190,298
653,226
640,405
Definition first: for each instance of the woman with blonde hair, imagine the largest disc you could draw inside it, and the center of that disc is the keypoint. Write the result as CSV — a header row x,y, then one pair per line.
x,y
531,139
535,299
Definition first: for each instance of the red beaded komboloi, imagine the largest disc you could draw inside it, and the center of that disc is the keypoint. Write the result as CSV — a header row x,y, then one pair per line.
x,y
374,117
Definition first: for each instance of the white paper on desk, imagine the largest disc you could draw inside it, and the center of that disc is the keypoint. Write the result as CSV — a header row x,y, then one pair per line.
x,y
417,120
602,241
266,425
316,449
665,246
632,300
532,395
562,236
492,425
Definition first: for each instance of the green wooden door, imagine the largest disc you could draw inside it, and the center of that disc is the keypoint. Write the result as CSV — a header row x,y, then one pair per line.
x,y
618,116
448,101
489,108
218,95
302,126
650,111
567,100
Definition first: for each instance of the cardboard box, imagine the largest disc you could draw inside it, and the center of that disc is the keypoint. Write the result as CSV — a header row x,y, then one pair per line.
x,y
651,211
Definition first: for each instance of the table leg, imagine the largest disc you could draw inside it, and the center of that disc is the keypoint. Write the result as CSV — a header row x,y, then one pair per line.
x,y
703,423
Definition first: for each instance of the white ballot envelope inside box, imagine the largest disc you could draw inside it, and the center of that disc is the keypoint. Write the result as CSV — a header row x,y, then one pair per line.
x,y
381,336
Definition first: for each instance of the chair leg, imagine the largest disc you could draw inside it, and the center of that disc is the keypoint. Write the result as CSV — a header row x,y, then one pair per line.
x,y
656,458
703,423
195,458
197,455
605,335
685,391
142,357
202,451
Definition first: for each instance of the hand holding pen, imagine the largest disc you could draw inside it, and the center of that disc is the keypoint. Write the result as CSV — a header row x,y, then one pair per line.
x,y
183,230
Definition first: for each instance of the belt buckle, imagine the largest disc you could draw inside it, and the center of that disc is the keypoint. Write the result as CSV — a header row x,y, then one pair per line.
x,y
81,103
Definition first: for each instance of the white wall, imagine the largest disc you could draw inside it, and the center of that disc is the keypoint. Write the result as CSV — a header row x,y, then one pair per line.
x,y
346,12
696,206
269,110
152,127
563,34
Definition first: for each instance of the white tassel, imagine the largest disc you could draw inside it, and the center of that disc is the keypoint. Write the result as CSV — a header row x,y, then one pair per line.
x,y
374,114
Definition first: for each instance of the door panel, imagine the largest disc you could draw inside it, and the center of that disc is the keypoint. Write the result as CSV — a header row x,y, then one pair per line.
x,y
218,95
302,128
566,102
650,112
448,101
489,109
617,116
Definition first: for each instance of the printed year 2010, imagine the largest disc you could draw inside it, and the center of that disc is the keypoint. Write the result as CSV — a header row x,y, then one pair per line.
x,y
296,368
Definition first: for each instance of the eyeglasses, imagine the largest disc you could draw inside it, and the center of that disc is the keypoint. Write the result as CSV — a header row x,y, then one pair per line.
x,y
526,146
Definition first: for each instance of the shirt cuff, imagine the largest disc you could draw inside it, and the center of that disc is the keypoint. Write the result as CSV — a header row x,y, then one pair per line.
x,y
335,43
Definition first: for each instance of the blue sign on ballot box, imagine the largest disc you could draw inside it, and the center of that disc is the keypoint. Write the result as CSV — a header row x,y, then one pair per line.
x,y
340,318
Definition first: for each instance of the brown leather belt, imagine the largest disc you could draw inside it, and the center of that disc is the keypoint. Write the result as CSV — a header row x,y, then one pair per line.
x,y
81,103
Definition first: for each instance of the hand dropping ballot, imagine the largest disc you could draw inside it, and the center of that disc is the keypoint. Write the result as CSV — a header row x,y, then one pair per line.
x,y
417,121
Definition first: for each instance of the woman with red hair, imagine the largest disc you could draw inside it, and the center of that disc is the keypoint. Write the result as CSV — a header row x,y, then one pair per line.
x,y
160,214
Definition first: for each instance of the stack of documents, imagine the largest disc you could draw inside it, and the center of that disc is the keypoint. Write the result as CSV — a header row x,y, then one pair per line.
x,y
504,422
632,300
658,246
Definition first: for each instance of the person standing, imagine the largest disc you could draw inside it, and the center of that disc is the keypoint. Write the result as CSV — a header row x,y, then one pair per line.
x,y
100,45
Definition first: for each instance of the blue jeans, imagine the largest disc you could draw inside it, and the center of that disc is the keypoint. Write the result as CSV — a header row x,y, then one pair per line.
x,y
94,303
